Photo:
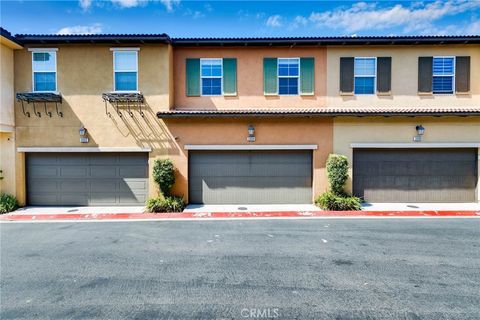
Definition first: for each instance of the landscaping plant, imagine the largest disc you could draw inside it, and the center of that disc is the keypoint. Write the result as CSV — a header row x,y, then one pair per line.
x,y
336,198
8,203
164,176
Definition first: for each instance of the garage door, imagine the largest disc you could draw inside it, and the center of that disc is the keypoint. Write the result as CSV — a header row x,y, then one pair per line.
x,y
87,179
413,175
250,177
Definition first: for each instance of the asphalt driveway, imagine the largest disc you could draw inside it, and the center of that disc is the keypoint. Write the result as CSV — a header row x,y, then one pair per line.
x,y
277,269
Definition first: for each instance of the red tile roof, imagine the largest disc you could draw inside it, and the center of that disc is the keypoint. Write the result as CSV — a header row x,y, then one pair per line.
x,y
386,111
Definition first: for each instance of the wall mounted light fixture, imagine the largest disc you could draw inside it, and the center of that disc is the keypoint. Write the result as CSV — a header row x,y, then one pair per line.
x,y
251,133
83,135
420,131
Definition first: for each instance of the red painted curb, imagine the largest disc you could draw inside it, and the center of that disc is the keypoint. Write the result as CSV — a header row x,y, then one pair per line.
x,y
240,215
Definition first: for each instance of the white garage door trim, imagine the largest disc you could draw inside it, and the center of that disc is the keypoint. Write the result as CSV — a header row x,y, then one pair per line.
x,y
385,145
83,149
233,147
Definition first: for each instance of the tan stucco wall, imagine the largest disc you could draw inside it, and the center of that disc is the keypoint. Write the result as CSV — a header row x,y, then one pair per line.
x,y
84,73
349,130
249,78
7,162
7,120
267,131
404,76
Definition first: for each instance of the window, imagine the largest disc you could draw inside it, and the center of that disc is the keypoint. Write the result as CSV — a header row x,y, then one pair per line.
x,y
365,72
44,66
443,74
211,75
288,75
125,68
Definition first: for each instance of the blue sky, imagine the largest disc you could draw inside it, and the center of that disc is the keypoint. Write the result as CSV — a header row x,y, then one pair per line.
x,y
181,18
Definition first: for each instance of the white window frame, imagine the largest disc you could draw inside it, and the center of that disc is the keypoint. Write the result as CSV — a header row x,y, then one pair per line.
x,y
211,77
298,77
44,50
444,75
115,50
363,76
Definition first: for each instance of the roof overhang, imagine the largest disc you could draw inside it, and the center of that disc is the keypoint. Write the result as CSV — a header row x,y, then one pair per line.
x,y
327,41
112,39
8,40
320,112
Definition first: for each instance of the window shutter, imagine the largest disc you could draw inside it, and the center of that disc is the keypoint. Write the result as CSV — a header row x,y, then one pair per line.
x,y
193,77
462,74
307,76
384,74
270,76
229,76
346,74
425,74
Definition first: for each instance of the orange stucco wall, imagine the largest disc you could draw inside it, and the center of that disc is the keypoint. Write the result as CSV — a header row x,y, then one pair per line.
x,y
250,78
316,131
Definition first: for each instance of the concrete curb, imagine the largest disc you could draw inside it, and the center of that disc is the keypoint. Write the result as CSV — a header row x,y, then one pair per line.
x,y
233,215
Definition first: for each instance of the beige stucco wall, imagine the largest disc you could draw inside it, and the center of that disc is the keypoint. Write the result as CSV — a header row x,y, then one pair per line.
x,y
349,130
249,78
267,131
84,72
7,162
404,76
7,120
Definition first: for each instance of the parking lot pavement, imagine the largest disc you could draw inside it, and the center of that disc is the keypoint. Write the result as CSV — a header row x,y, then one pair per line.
x,y
243,269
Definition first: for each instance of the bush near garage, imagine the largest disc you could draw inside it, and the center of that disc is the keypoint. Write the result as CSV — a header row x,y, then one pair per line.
x,y
337,199
164,176
8,203
167,204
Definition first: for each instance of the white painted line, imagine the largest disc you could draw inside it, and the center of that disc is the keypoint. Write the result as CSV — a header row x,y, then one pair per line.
x,y
235,219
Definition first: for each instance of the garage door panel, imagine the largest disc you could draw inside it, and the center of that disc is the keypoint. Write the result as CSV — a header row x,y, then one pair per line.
x,y
250,177
422,175
73,185
103,171
86,179
73,172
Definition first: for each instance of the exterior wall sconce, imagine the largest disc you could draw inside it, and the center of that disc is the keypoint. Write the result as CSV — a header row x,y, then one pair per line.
x,y
251,133
83,135
420,131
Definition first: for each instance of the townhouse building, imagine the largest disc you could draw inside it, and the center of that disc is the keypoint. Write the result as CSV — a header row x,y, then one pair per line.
x,y
245,121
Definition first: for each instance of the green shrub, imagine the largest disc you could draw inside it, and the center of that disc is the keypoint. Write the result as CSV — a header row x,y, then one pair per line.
x,y
337,199
164,175
166,204
331,201
337,172
8,203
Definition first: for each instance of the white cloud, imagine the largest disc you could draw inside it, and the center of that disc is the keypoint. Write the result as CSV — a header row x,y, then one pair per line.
x,y
85,4
274,21
368,16
91,29
169,4
299,21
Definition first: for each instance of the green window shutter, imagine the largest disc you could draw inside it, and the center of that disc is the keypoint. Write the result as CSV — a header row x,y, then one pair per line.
x,y
193,77
270,76
307,76
229,76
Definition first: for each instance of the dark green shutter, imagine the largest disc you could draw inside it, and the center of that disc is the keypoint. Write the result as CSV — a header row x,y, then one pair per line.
x,y
229,76
193,77
346,74
425,74
462,74
384,74
270,76
307,76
